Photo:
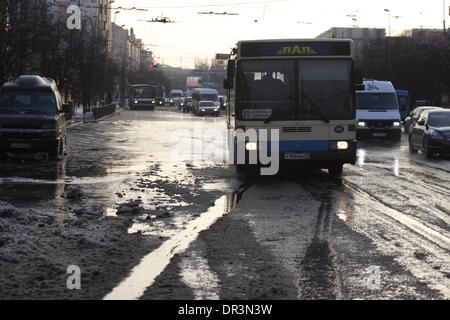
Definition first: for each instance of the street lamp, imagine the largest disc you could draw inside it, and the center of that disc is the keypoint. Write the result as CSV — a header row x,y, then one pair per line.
x,y
388,45
115,14
444,26
354,19
389,21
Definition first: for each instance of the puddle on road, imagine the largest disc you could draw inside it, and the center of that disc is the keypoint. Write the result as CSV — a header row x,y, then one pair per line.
x,y
152,265
160,227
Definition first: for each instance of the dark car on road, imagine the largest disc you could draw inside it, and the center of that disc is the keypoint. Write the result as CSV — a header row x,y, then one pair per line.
x,y
414,115
32,117
431,133
186,104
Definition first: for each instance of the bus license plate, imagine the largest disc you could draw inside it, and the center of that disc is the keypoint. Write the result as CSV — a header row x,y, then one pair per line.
x,y
20,145
297,156
379,134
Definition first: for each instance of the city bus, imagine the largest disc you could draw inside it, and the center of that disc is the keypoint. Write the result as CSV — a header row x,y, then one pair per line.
x,y
142,96
302,89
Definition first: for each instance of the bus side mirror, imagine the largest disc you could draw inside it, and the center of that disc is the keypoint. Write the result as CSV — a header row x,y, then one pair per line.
x,y
228,84
230,69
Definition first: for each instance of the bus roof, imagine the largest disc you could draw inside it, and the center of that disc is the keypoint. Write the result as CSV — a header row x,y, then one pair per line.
x,y
299,40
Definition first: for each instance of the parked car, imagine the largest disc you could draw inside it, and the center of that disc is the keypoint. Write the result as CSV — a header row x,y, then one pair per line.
x,y
207,107
32,118
431,133
414,115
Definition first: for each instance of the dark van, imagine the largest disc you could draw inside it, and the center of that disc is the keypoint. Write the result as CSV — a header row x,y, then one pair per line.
x,y
32,117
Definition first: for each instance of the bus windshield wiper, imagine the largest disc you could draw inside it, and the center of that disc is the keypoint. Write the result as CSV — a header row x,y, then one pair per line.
x,y
270,118
316,108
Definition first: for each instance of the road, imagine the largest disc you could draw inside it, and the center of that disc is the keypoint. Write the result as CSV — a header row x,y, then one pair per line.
x,y
145,206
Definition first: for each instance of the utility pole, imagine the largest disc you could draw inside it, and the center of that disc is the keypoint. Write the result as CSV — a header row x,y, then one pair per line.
x,y
443,22
389,21
388,44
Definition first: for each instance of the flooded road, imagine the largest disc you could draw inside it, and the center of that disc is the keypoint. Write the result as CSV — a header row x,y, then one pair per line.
x,y
135,205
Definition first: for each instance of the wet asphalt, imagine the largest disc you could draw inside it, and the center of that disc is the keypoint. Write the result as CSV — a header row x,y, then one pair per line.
x,y
380,232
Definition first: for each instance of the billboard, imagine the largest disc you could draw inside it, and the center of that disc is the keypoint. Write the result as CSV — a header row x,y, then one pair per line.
x,y
193,81
222,56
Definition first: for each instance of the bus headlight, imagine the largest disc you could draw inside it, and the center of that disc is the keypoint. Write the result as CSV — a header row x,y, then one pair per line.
x,y
251,146
396,124
136,102
361,124
342,145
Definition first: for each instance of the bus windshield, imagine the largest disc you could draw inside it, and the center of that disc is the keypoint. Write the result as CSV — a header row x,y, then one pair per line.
x,y
376,101
289,89
143,93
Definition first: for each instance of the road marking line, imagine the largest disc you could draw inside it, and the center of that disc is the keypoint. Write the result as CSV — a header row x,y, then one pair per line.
x,y
152,265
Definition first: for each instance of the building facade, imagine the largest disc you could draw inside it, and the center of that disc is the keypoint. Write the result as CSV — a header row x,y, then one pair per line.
x,y
95,14
359,35
429,36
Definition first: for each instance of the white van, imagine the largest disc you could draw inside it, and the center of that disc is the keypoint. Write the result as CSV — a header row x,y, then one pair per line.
x,y
377,110
203,95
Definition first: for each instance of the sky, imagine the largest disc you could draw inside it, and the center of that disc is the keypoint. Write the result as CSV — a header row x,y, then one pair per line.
x,y
198,36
